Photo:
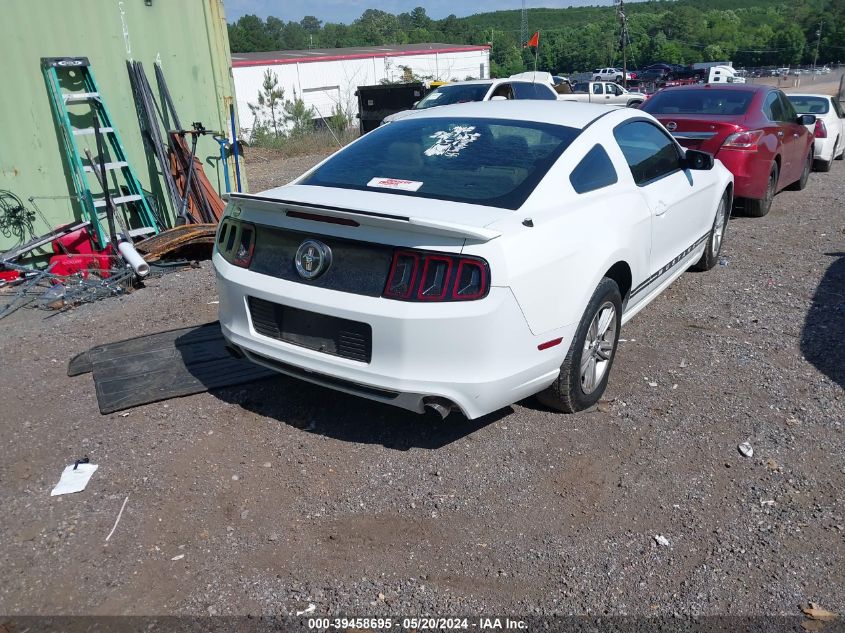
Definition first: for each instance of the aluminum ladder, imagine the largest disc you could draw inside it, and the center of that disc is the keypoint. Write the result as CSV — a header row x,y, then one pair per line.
x,y
71,85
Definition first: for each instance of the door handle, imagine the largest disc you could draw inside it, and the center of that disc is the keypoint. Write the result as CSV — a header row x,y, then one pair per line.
x,y
660,207
795,134
780,132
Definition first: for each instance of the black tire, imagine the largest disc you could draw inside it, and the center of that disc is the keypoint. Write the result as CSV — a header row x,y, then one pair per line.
x,y
596,78
801,183
618,78
567,393
710,257
635,103
759,208
822,165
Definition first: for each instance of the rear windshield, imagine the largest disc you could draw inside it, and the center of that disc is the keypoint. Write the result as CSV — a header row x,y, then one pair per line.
x,y
492,162
810,105
702,101
453,93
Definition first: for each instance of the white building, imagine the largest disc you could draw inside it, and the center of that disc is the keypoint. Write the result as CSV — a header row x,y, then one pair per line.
x,y
326,77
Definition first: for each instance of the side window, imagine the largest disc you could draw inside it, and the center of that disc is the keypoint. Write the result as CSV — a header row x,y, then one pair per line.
x,y
837,107
769,106
788,110
523,90
593,172
542,91
597,89
504,90
648,151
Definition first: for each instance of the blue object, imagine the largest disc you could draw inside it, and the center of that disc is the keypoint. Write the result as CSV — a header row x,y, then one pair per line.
x,y
235,147
223,142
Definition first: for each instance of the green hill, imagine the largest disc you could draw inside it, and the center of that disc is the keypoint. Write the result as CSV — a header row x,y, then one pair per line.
x,y
747,32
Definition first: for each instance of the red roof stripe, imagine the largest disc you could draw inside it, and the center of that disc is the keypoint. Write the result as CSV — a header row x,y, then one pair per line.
x,y
333,58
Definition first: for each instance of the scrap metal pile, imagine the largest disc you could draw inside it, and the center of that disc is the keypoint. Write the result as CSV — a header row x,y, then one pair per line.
x,y
123,235
191,194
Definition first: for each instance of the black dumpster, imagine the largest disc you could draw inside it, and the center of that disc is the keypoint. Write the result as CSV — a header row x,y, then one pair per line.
x,y
376,102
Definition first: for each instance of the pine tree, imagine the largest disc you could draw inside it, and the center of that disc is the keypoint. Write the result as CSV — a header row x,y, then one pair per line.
x,y
268,112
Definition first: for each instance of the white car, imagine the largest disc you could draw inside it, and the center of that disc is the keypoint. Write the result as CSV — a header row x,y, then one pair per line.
x,y
469,256
829,128
480,90
611,74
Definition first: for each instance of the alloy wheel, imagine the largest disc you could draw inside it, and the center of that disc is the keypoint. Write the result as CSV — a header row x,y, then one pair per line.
x,y
770,190
598,347
718,228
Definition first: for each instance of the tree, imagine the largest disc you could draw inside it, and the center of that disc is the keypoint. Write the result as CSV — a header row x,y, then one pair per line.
x,y
295,36
251,34
790,41
419,19
340,120
310,24
268,111
298,117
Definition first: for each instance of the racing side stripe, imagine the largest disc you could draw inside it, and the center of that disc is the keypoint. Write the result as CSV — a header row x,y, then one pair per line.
x,y
665,269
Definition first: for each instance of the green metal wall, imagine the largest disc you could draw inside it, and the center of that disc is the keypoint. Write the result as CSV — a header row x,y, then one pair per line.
x,y
188,38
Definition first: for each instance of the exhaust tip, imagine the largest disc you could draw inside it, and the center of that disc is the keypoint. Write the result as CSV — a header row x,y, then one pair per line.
x,y
441,406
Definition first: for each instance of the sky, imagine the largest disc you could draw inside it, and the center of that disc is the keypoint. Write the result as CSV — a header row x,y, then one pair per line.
x,y
348,10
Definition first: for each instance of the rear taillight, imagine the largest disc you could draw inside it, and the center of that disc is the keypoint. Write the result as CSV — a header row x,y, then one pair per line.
x,y
236,242
423,276
744,140
820,130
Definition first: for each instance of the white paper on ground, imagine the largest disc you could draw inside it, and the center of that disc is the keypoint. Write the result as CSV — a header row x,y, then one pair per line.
x,y
74,480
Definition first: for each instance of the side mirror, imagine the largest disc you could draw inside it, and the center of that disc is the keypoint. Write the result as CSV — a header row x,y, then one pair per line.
x,y
806,119
699,161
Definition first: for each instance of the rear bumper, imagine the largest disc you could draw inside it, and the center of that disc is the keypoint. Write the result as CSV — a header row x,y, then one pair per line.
x,y
751,172
479,355
823,149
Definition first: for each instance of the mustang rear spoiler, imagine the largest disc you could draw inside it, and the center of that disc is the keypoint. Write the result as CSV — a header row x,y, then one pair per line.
x,y
355,217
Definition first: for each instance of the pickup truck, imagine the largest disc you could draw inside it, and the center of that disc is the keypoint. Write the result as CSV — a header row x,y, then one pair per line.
x,y
605,92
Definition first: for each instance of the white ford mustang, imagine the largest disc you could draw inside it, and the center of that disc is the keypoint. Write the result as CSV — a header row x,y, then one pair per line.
x,y
470,256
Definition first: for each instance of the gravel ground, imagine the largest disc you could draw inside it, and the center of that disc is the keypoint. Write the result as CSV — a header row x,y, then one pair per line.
x,y
269,168
268,497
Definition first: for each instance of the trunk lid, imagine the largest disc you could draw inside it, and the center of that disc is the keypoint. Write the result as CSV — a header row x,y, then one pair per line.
x,y
705,133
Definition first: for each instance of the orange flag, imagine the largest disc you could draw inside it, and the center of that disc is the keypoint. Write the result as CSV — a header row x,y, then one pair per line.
x,y
534,41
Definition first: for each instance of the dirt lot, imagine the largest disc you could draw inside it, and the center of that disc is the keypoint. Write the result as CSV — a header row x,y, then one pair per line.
x,y
809,83
280,494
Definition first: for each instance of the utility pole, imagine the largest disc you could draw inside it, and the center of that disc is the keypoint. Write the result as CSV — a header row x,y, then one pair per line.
x,y
623,23
523,26
818,43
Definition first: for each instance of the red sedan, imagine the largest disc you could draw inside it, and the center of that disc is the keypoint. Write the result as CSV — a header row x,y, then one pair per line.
x,y
754,130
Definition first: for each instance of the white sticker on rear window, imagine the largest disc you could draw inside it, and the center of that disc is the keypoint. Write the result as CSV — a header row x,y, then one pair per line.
x,y
395,183
451,143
